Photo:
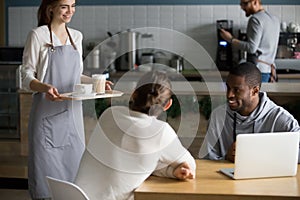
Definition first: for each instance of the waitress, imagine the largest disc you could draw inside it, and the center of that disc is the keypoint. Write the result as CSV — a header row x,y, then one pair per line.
x,y
52,64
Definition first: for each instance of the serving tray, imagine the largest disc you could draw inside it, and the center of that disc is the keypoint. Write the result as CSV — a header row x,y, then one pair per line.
x,y
108,94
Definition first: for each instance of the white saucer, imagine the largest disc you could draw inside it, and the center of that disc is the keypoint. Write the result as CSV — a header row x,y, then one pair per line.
x,y
75,94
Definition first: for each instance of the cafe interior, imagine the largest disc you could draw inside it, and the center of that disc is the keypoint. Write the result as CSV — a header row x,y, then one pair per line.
x,y
126,39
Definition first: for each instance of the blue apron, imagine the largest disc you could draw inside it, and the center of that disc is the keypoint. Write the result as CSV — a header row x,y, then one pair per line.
x,y
56,133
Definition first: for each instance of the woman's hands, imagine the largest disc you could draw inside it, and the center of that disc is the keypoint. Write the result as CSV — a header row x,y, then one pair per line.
x,y
108,85
183,171
89,80
52,94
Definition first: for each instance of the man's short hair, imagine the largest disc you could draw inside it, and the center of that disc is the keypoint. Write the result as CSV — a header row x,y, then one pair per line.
x,y
248,70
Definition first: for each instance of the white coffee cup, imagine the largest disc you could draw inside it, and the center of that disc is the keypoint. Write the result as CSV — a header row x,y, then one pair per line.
x,y
283,27
83,89
99,81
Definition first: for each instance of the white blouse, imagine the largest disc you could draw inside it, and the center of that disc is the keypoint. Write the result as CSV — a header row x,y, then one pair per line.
x,y
35,55
125,148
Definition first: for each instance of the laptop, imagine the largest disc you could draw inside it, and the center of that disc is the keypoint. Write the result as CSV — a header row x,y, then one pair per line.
x,y
264,155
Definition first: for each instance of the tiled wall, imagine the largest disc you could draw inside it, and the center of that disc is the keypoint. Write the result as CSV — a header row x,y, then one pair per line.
x,y
196,21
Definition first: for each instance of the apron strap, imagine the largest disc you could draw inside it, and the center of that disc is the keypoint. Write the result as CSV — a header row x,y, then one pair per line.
x,y
71,40
51,39
258,60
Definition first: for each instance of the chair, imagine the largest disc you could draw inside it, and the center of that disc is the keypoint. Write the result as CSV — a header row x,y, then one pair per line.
x,y
64,190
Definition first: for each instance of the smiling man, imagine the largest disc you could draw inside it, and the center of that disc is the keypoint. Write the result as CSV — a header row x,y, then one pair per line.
x,y
262,37
248,110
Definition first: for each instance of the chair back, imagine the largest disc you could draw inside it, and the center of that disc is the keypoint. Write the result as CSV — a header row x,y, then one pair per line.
x,y
62,190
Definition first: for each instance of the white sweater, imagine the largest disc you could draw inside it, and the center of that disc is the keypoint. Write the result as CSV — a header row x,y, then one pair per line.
x,y
124,150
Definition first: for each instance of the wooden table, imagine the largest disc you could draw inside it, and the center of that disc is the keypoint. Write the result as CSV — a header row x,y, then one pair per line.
x,y
212,185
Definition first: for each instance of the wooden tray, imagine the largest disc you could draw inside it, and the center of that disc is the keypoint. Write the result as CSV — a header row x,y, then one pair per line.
x,y
108,94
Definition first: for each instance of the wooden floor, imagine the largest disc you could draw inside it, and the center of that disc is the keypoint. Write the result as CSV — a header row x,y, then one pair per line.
x,y
14,194
12,163
13,171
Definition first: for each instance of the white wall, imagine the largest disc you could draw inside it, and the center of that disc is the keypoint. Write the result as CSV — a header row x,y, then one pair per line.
x,y
197,21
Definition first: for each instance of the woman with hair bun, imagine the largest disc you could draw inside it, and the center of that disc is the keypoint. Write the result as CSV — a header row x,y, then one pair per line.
x,y
138,144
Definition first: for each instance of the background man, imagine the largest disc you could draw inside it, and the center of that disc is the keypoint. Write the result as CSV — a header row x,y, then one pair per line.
x,y
262,37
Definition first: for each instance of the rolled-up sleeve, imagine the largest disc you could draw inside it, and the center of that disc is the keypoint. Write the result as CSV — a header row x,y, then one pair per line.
x,y
173,154
254,34
35,59
30,60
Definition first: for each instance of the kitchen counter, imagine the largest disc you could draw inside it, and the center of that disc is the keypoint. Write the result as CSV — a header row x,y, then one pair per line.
x,y
203,76
288,64
190,75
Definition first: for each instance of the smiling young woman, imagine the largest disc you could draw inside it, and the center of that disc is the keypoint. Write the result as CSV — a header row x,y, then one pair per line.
x,y
63,12
52,64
